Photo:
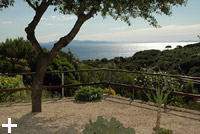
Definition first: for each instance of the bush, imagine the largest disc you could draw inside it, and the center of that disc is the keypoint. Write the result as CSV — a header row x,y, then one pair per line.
x,y
189,88
102,126
10,83
112,91
162,130
88,94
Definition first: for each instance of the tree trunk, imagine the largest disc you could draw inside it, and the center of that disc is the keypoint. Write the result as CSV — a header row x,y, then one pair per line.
x,y
45,58
38,79
158,117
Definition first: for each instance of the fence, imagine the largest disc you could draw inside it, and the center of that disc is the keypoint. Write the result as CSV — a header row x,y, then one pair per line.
x,y
109,83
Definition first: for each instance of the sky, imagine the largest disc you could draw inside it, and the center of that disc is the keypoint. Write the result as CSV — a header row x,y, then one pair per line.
x,y
182,25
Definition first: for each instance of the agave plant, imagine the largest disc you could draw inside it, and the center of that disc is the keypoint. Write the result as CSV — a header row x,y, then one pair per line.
x,y
159,98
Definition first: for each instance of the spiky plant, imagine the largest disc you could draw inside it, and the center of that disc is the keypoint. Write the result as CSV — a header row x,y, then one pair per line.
x,y
103,126
159,98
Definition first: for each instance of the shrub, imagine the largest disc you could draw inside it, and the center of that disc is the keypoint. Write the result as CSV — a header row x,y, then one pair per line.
x,y
162,130
102,126
88,94
112,91
189,88
10,83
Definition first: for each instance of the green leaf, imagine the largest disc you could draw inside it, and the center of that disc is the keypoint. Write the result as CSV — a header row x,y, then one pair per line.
x,y
102,126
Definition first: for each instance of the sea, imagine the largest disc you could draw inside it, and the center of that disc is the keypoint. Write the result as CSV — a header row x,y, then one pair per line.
x,y
111,50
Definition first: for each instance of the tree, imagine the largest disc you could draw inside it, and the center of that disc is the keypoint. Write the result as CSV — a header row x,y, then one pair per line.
x,y
6,3
85,10
160,99
16,55
168,46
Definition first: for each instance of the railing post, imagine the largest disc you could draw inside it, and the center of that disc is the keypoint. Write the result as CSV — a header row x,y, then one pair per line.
x,y
95,75
63,82
88,76
109,82
166,87
133,91
22,92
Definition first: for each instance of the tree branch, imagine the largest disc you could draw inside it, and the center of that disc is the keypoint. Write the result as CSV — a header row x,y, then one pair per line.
x,y
64,41
93,10
91,13
81,8
31,5
30,29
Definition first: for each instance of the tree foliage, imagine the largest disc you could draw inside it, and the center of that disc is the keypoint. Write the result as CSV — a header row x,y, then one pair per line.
x,y
6,3
118,9
16,55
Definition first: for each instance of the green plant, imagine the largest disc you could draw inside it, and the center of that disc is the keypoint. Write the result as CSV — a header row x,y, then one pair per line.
x,y
10,83
102,126
88,93
159,98
162,130
112,91
189,88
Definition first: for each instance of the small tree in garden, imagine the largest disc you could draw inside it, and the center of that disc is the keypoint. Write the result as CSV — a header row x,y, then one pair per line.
x,y
85,10
160,99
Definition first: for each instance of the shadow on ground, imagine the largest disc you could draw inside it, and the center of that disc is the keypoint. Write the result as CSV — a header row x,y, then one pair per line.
x,y
32,124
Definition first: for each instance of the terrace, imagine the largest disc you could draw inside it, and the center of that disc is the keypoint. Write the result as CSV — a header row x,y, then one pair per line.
x,y
68,116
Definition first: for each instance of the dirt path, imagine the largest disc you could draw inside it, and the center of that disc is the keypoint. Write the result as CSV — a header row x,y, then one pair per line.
x,y
68,117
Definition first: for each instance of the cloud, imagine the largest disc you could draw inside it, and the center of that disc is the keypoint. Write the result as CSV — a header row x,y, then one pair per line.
x,y
49,24
166,33
50,37
50,21
63,18
44,18
119,28
6,22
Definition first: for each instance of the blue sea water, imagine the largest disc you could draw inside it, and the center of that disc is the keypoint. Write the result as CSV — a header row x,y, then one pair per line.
x,y
111,50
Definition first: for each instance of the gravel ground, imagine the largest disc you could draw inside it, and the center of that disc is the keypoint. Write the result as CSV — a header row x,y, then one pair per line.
x,y
68,117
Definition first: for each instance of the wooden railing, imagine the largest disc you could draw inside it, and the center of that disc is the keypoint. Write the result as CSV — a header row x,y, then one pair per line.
x,y
108,83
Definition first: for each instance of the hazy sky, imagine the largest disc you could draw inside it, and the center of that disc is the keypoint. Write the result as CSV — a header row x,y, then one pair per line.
x,y
184,24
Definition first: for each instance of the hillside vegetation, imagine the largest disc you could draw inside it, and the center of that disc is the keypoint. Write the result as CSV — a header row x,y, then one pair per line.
x,y
181,60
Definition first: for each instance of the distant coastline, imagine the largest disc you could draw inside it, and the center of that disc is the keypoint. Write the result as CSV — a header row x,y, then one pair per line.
x,y
109,42
103,49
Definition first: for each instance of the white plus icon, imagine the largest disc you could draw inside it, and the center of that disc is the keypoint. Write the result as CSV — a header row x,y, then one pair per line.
x,y
9,125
